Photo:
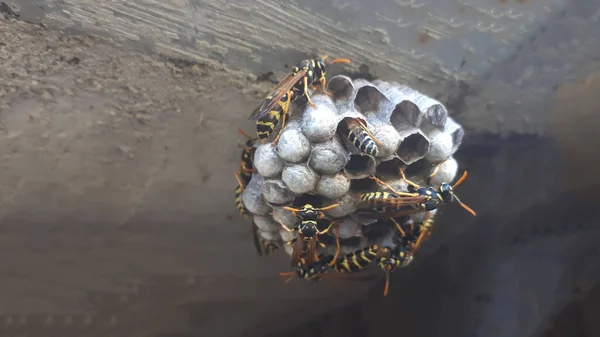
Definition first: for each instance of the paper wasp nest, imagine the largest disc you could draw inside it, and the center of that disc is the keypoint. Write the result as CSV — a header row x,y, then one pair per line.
x,y
314,163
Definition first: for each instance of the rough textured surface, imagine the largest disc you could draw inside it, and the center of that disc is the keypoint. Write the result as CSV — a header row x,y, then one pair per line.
x,y
112,222
485,59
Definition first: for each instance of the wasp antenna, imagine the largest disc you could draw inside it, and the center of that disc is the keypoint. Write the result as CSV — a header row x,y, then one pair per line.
x,y
460,180
290,276
468,209
328,207
435,171
295,210
340,60
243,133
387,283
465,207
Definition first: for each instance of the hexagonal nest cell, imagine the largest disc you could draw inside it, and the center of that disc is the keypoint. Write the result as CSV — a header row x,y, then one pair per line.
x,y
317,165
413,147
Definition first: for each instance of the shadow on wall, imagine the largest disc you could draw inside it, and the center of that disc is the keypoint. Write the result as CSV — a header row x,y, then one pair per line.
x,y
518,263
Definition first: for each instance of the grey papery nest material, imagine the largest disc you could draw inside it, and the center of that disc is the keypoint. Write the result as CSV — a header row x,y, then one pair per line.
x,y
313,162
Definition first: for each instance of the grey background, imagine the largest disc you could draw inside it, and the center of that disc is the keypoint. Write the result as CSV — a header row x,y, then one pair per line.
x,y
116,184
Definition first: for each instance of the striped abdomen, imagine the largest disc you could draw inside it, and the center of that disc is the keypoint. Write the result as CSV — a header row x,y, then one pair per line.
x,y
315,269
360,138
268,123
356,261
238,201
246,163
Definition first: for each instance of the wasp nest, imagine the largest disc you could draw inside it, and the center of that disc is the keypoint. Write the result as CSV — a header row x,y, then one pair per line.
x,y
314,162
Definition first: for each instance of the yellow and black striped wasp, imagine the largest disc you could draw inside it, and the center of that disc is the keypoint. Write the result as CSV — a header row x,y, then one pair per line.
x,y
306,243
422,230
388,259
387,205
359,135
393,258
274,108
244,175
376,203
318,270
357,260
314,271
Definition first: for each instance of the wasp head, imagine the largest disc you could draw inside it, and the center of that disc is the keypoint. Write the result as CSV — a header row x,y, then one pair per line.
x,y
447,193
389,264
320,68
308,212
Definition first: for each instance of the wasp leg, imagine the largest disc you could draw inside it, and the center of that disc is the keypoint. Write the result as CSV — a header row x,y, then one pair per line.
x,y
239,179
306,93
424,231
435,171
400,194
323,81
282,225
337,245
289,274
327,229
408,181
402,233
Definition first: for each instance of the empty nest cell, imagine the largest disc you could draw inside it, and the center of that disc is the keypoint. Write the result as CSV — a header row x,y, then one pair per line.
x,y
341,88
389,168
360,166
413,147
368,99
406,114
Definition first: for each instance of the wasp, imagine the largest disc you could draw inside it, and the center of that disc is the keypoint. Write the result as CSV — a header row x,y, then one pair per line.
x,y
387,203
357,260
314,271
305,244
432,198
422,231
275,107
247,162
317,270
388,259
359,135
239,190
244,175
391,259
262,245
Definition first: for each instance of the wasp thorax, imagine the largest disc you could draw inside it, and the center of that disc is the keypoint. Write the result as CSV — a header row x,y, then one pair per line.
x,y
308,232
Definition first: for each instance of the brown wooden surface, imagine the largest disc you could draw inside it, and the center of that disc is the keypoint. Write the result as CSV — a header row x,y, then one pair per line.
x,y
117,219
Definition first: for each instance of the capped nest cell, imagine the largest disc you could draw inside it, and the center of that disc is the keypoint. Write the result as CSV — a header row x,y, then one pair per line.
x,y
316,162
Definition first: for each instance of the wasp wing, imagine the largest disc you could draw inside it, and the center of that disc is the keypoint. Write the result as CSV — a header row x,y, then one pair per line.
x,y
276,94
393,203
297,250
311,251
